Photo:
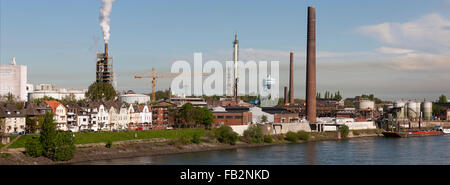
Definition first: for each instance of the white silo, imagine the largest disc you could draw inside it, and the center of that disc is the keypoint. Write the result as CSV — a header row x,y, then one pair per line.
x,y
412,110
427,110
400,105
366,105
418,109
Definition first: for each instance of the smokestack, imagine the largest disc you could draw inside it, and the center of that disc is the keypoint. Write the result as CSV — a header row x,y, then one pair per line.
x,y
286,96
291,80
106,50
311,66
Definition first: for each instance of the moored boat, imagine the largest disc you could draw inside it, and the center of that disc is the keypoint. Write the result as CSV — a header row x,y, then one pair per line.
x,y
413,133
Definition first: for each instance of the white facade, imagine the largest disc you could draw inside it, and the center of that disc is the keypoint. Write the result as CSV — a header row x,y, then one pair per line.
x,y
257,114
146,115
14,124
60,117
133,98
43,90
13,79
103,118
123,118
83,121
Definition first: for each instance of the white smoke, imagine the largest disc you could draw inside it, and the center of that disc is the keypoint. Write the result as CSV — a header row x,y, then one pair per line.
x,y
105,12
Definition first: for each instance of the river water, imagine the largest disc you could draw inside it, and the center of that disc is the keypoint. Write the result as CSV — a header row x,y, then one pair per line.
x,y
432,150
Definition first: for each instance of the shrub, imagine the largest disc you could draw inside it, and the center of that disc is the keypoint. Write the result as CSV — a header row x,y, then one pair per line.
x,y
356,133
5,155
33,147
109,144
302,135
254,134
196,138
225,134
268,139
185,139
344,130
65,148
291,136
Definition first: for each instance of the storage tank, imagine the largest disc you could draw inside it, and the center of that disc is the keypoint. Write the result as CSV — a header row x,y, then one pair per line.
x,y
401,106
418,105
366,105
427,110
412,109
133,98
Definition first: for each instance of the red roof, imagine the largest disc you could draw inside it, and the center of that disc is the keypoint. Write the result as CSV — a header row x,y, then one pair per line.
x,y
53,104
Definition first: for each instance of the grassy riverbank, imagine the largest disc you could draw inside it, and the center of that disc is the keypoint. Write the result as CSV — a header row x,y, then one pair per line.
x,y
91,146
102,137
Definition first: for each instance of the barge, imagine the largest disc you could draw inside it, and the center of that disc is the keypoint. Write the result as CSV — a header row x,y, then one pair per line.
x,y
413,133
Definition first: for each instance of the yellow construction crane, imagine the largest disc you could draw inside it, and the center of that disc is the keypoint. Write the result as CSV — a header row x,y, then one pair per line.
x,y
154,77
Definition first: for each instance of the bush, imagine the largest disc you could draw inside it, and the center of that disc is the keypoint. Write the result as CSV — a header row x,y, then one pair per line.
x,y
185,139
33,147
109,144
291,136
302,135
65,148
344,130
225,134
196,138
356,133
268,139
254,134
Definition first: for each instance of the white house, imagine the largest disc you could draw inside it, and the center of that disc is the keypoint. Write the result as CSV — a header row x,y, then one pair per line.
x,y
59,114
145,114
15,120
123,118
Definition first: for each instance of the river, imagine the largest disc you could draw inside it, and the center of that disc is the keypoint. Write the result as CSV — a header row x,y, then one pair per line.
x,y
431,150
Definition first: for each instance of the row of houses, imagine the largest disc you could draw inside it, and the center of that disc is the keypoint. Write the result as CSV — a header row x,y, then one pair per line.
x,y
95,116
117,116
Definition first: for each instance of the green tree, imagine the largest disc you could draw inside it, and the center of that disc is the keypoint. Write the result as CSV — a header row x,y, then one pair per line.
x,y
32,124
338,96
254,134
204,117
344,130
48,136
65,147
187,114
442,99
33,147
101,91
437,109
69,99
225,134
264,118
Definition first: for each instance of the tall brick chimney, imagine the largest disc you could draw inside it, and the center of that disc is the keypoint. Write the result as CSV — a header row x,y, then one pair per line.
x,y
291,80
311,66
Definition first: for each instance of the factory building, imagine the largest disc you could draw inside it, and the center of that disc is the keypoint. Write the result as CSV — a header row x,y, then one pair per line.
x,y
13,79
48,90
232,116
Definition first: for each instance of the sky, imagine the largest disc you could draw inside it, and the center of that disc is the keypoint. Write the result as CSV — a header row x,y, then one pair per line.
x,y
393,49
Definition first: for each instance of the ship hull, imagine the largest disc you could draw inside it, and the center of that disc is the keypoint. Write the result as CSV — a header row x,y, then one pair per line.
x,y
413,134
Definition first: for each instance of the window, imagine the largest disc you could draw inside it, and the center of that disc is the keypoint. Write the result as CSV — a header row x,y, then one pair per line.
x,y
238,117
229,117
219,117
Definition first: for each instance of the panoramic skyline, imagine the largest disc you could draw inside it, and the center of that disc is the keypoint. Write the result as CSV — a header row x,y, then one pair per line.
x,y
392,49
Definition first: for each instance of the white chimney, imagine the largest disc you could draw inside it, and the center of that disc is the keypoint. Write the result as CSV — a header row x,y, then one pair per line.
x,y
13,61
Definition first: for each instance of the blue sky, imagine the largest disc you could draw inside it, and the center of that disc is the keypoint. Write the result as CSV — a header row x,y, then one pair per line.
x,y
363,46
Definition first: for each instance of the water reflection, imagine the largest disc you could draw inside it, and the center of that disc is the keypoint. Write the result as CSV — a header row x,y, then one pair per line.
x,y
360,151
310,155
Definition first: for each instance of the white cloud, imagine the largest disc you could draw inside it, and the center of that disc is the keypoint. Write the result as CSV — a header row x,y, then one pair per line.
x,y
430,32
388,50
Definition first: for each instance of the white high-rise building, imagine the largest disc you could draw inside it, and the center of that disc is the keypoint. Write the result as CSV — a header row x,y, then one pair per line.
x,y
13,79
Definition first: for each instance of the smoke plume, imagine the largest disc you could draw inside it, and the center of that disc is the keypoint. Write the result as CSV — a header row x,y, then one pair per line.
x,y
105,12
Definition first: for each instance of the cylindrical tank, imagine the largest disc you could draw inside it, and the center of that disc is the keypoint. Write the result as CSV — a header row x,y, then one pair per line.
x,y
412,109
366,105
400,105
427,110
418,109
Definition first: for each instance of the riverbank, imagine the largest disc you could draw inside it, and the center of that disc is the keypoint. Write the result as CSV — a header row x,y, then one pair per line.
x,y
158,146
